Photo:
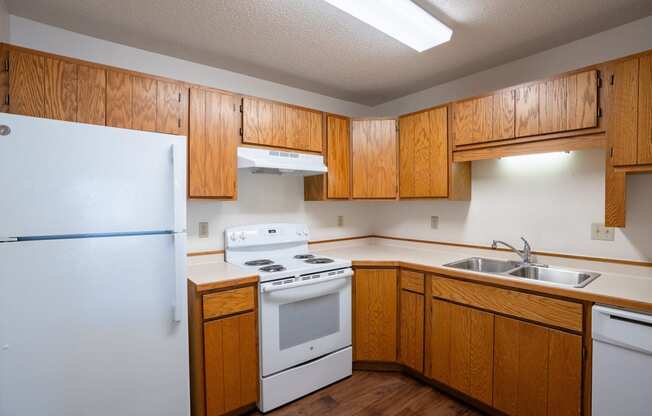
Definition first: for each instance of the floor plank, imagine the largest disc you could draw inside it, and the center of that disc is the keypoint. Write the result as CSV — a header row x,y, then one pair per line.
x,y
370,393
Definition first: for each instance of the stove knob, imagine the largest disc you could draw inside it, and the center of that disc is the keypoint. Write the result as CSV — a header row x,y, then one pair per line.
x,y
232,236
243,235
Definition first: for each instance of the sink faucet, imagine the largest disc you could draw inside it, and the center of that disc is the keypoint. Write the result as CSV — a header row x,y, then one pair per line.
x,y
525,254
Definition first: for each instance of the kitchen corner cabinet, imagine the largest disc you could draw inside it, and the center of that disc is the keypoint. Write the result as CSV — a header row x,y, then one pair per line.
x,y
411,320
423,154
212,144
374,149
223,350
270,123
375,315
336,184
630,118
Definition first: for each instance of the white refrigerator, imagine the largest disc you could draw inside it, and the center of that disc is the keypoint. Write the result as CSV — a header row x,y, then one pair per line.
x,y
93,315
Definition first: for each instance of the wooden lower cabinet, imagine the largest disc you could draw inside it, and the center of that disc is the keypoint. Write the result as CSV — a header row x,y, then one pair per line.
x,y
411,327
231,365
462,348
537,370
375,311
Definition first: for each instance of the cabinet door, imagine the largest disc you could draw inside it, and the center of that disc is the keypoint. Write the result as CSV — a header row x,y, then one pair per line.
x,y
462,347
472,120
537,370
231,363
374,149
339,157
316,137
212,144
60,85
26,84
503,115
297,128
91,95
423,153
411,330
263,122
375,308
143,110
171,107
119,93
645,110
568,103
623,112
527,110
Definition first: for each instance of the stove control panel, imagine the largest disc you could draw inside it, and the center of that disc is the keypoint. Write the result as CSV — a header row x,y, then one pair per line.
x,y
257,235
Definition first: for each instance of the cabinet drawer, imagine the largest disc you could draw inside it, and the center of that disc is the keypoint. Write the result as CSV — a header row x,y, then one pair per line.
x,y
228,302
536,308
412,281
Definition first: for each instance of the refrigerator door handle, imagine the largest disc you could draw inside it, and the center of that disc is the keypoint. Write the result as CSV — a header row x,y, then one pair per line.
x,y
178,194
179,276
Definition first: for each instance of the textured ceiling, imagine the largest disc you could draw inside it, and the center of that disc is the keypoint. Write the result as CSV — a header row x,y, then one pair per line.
x,y
310,44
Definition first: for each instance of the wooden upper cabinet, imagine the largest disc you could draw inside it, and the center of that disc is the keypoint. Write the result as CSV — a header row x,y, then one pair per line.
x,y
338,151
143,103
212,144
171,108
60,85
375,320
423,154
623,111
472,120
645,110
374,150
537,370
26,84
503,115
91,95
462,349
527,110
275,124
569,103
119,99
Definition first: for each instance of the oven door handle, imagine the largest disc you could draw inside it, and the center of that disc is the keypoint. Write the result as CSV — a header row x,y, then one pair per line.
x,y
270,287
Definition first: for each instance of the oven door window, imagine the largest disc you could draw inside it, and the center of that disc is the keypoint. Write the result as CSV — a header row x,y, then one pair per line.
x,y
307,320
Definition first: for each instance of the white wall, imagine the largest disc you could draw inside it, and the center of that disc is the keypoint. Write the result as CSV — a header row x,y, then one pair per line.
x,y
272,198
4,22
552,199
31,34
621,41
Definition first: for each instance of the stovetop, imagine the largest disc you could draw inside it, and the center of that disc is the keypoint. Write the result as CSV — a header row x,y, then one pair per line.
x,y
271,268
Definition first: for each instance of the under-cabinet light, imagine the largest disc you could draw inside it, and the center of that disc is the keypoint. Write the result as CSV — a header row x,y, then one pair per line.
x,y
401,19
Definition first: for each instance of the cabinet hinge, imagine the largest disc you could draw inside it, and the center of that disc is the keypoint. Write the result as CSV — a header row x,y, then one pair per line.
x,y
241,107
179,97
179,122
599,80
6,65
599,111
7,99
612,79
611,152
241,132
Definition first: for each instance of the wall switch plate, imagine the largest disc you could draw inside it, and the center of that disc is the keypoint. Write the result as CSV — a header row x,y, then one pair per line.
x,y
340,220
434,222
600,232
203,229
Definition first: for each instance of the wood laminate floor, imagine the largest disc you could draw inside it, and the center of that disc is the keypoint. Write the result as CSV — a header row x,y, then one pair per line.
x,y
371,393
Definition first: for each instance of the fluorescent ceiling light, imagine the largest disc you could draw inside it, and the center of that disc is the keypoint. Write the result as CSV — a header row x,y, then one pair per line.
x,y
400,19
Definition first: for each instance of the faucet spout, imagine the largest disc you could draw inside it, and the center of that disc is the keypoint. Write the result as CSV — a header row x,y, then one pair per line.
x,y
525,254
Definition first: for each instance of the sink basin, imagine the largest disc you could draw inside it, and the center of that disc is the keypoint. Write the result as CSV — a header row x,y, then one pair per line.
x,y
556,276
479,264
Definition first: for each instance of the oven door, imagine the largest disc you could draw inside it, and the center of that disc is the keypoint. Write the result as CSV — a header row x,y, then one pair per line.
x,y
304,320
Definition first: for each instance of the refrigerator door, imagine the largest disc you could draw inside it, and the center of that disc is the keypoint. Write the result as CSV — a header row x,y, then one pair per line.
x,y
60,178
87,328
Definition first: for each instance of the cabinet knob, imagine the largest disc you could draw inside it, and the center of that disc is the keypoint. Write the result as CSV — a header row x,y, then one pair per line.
x,y
5,130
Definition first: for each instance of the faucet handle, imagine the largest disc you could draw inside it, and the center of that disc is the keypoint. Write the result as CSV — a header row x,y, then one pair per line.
x,y
526,245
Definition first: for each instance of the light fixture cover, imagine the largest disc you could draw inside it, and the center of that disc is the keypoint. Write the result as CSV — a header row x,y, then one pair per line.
x,y
401,19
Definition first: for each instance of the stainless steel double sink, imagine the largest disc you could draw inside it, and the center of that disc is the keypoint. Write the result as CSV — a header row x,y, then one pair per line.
x,y
537,272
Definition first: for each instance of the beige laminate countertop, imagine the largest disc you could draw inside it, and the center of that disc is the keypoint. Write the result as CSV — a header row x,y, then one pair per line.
x,y
618,285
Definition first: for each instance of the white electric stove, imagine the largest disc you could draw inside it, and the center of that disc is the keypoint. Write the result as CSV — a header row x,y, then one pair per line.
x,y
304,310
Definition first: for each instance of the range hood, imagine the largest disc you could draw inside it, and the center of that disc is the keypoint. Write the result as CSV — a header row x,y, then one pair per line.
x,y
280,162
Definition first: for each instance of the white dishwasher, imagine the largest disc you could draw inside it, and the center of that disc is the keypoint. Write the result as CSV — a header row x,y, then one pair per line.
x,y
622,362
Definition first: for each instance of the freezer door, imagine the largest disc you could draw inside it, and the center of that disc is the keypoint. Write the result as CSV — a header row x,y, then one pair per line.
x,y
87,327
61,178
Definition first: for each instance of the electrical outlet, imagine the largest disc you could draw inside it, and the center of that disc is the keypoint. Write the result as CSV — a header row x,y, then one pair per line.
x,y
203,229
434,222
600,232
340,220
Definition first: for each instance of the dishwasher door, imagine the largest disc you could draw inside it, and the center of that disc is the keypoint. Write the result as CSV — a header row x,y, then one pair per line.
x,y
622,362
